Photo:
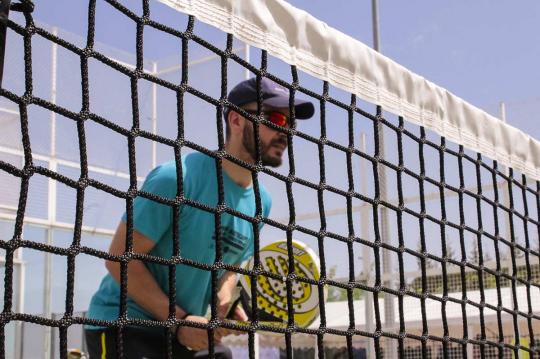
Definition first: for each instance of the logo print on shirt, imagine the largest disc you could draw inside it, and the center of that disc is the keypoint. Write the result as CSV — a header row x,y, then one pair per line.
x,y
231,241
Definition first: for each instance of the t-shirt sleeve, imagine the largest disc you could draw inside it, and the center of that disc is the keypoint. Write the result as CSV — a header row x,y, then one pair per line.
x,y
266,207
247,254
151,218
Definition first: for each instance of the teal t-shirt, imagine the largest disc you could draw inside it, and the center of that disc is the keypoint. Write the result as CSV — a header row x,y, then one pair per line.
x,y
196,230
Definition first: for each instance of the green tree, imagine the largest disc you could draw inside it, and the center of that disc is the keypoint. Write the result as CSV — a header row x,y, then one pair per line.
x,y
450,253
429,262
338,294
335,294
474,255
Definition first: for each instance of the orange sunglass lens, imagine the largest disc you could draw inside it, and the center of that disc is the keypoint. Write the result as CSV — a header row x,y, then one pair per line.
x,y
278,119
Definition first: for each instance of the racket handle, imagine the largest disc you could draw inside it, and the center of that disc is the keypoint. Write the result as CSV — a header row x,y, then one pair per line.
x,y
232,308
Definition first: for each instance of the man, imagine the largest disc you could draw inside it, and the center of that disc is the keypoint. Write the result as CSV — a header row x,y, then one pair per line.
x,y
152,223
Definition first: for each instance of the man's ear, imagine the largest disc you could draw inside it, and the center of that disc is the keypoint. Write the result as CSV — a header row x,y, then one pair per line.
x,y
236,122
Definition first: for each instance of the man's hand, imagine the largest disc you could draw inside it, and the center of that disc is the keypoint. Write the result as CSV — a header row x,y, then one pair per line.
x,y
227,293
224,304
239,314
195,338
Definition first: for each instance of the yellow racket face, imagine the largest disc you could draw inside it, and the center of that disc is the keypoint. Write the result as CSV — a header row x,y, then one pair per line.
x,y
272,293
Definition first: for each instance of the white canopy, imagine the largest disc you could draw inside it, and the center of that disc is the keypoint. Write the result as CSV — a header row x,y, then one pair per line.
x,y
337,315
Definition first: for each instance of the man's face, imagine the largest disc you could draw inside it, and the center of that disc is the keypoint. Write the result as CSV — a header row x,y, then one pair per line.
x,y
273,143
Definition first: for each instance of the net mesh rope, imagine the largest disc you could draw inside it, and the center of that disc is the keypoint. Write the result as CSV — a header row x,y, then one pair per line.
x,y
485,345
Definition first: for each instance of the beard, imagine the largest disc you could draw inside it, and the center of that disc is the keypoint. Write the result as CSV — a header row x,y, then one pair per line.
x,y
248,141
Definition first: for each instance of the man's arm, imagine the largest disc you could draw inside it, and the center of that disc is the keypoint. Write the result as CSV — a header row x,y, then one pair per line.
x,y
146,292
226,297
142,287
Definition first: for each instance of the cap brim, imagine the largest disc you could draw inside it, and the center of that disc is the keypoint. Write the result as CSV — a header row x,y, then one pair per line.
x,y
302,109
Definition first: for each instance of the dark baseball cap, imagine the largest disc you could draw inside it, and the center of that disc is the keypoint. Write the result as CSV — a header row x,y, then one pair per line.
x,y
273,94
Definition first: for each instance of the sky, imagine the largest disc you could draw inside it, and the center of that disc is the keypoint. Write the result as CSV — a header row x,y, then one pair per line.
x,y
483,51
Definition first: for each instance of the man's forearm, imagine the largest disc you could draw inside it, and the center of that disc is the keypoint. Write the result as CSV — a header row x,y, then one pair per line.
x,y
227,284
144,290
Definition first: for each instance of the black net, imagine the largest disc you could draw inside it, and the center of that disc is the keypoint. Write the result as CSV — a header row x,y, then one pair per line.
x,y
470,225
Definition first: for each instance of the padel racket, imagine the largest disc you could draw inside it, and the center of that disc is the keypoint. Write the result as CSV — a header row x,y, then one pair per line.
x,y
272,293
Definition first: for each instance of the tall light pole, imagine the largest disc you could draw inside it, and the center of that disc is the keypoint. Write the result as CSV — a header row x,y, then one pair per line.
x,y
51,210
366,255
389,316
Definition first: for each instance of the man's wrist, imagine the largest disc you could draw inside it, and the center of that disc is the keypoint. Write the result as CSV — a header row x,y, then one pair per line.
x,y
175,328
